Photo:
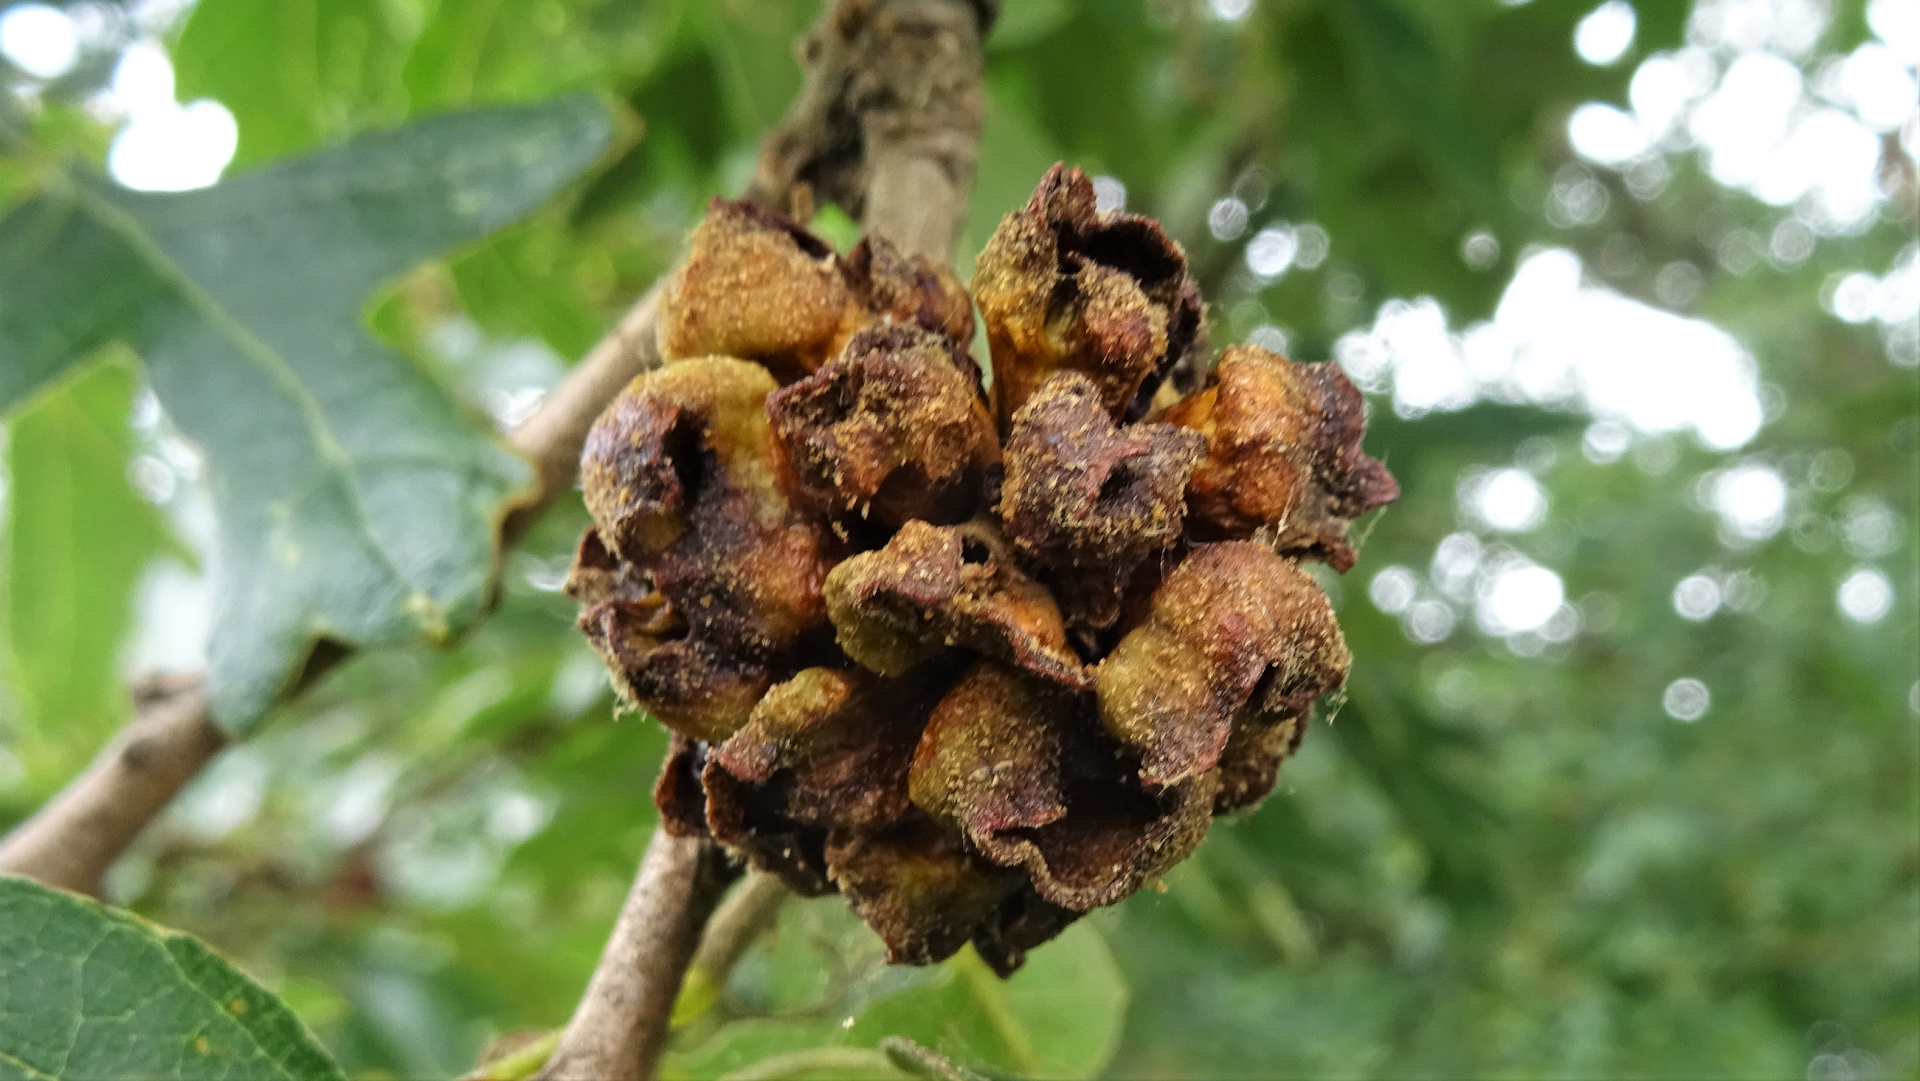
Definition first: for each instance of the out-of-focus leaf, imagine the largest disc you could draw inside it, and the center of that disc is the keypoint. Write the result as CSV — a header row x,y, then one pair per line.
x,y
1415,760
1477,429
920,1061
294,73
77,539
511,283
471,51
1028,21
1058,1017
1405,74
91,993
449,61
356,502
752,45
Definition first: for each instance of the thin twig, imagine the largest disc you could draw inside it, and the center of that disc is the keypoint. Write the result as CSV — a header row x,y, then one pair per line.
x,y
749,911
620,1027
518,1063
552,437
912,1058
817,1062
71,841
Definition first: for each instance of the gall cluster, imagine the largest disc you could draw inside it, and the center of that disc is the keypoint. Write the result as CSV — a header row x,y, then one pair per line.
x,y
980,658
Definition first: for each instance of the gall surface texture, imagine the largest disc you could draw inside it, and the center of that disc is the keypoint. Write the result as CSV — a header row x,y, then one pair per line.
x,y
980,657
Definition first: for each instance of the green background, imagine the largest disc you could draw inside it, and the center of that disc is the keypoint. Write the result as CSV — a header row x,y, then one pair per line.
x,y
1502,856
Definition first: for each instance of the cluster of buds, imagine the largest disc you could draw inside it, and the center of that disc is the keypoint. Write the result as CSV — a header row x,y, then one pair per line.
x,y
979,658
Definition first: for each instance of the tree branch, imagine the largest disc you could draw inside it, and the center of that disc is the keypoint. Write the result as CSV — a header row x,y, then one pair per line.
x,y
620,1028
552,437
887,124
70,842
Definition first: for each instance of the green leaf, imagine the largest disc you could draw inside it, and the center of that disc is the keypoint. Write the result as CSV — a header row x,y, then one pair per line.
x,y
753,44
295,73
94,993
1028,21
1418,763
911,1058
1407,78
77,539
1058,1017
499,50
511,284
357,502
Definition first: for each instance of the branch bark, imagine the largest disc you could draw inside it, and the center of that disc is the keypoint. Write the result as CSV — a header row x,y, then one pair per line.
x,y
71,841
620,1028
887,124
76,836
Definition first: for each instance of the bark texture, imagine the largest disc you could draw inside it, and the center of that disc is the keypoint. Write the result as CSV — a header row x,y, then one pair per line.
x,y
887,125
71,841
620,1028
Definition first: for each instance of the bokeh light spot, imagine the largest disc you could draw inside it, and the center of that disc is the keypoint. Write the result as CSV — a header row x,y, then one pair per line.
x,y
1686,699
1865,596
1696,597
39,39
1606,33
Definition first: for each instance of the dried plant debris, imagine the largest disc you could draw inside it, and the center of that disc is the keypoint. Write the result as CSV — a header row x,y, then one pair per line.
x,y
1065,287
979,664
919,887
699,574
936,587
1237,635
678,791
1088,499
911,289
1283,453
757,286
1017,766
895,428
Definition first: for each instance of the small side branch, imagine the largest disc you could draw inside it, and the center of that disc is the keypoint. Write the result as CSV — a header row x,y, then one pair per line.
x,y
552,437
748,912
620,1028
71,841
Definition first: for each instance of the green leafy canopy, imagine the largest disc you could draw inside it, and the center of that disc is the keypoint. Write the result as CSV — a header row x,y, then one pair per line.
x,y
92,992
357,502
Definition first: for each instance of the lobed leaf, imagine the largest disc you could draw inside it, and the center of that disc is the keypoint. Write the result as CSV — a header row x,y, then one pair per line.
x,y
357,502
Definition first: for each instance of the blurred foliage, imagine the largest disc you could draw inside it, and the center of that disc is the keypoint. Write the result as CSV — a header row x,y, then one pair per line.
x,y
355,502
1494,857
